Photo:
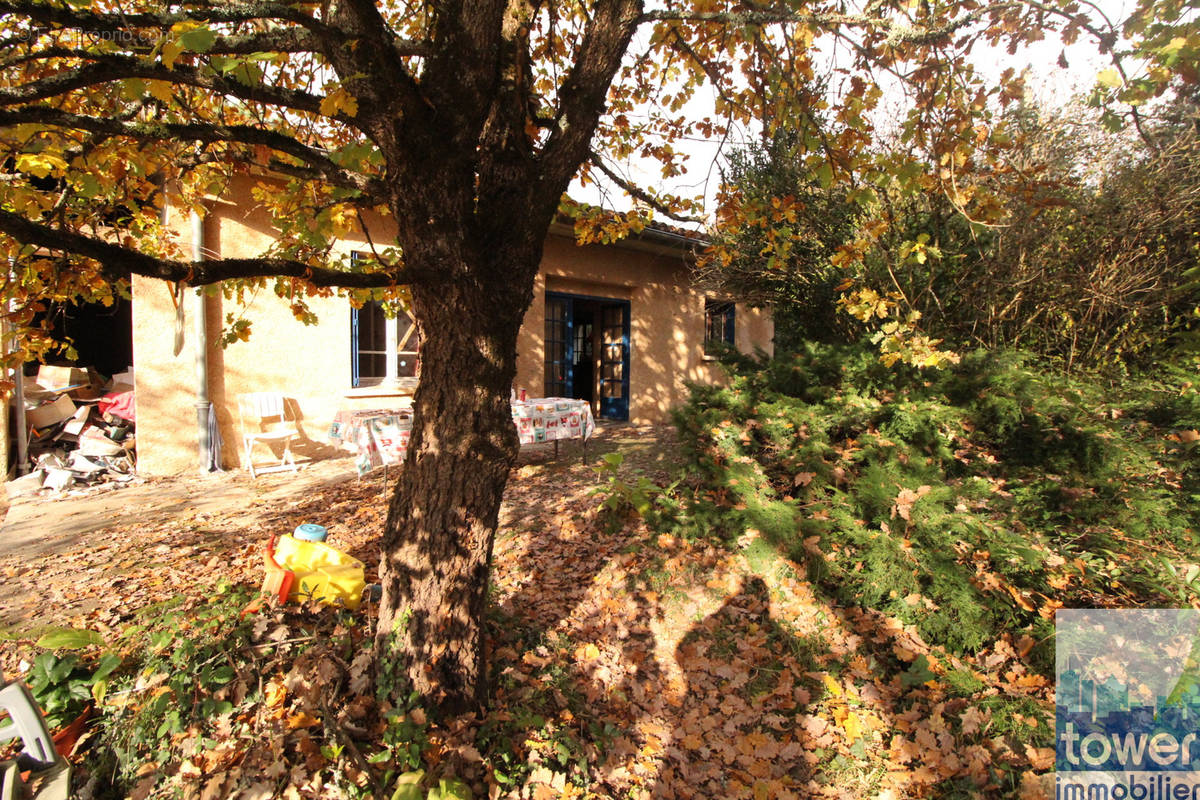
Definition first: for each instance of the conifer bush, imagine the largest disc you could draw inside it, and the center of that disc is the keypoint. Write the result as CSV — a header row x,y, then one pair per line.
x,y
970,502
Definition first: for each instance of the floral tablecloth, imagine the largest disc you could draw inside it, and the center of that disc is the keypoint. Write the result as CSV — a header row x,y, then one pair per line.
x,y
380,436
548,419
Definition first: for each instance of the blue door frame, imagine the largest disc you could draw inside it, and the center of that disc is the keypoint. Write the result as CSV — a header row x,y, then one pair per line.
x,y
612,320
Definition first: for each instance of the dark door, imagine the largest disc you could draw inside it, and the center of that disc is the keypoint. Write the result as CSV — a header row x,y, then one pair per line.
x,y
583,355
614,360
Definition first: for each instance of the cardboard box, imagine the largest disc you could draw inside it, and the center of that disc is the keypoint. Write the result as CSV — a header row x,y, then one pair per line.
x,y
50,413
87,393
122,381
62,377
35,395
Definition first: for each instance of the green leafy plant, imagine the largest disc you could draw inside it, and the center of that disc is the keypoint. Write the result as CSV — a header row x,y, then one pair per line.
x,y
63,683
186,664
634,494
409,787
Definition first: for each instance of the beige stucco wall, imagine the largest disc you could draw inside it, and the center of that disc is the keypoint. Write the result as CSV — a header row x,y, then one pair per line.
x,y
311,364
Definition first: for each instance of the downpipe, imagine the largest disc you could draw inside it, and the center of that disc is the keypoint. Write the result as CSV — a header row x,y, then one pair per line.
x,y
204,406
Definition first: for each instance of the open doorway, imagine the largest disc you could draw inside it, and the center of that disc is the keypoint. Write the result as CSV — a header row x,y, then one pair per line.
x,y
74,422
587,351
101,335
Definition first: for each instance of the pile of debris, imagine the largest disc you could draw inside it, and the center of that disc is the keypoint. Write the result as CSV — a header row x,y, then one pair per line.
x,y
80,430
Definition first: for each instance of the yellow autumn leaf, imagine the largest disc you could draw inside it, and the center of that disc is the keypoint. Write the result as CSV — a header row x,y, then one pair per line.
x,y
160,90
339,100
170,52
41,165
1109,78
587,652
275,693
832,685
852,727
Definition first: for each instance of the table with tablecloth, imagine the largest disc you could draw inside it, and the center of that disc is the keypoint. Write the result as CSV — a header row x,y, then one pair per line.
x,y
380,436
549,419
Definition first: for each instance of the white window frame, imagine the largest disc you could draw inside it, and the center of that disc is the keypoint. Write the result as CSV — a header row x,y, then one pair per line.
x,y
394,341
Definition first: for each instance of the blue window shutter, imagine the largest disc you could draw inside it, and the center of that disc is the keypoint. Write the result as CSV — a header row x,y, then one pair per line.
x,y
729,326
355,256
353,347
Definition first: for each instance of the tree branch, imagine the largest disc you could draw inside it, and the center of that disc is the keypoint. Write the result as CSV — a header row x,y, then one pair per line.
x,y
680,45
370,188
117,261
464,89
368,56
284,40
66,17
109,68
582,99
898,34
771,17
639,193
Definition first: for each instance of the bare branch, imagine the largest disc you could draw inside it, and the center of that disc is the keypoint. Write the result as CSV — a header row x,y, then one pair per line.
x,y
639,193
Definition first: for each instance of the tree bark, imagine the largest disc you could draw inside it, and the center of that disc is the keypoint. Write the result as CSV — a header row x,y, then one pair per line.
x,y
475,207
437,547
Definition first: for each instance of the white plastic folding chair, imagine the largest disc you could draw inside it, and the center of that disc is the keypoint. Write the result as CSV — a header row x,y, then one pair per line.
x,y
264,419
38,754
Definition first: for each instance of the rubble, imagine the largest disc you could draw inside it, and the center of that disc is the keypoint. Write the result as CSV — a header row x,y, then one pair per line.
x,y
81,430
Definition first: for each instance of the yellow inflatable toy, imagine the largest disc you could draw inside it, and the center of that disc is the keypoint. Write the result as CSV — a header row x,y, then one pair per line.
x,y
322,573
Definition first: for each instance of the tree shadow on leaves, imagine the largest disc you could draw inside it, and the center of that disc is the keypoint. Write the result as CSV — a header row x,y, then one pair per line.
x,y
736,717
666,709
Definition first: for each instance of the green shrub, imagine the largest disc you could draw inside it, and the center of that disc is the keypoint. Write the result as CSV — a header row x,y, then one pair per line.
x,y
968,502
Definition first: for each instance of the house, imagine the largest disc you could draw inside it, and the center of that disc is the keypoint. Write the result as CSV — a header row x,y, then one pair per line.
x,y
635,294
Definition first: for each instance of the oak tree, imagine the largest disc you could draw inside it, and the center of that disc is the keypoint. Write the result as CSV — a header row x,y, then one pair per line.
x,y
465,122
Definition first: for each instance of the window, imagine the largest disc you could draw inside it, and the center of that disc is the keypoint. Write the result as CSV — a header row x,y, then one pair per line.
x,y
373,338
382,349
718,325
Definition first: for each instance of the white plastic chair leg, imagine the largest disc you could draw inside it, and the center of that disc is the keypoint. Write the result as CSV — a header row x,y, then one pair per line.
x,y
38,755
27,722
250,456
10,781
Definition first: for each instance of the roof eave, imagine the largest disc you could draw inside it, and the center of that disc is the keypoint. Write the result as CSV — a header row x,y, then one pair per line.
x,y
649,240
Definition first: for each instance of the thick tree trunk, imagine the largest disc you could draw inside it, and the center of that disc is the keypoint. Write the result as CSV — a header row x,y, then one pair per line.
x,y
442,518
473,211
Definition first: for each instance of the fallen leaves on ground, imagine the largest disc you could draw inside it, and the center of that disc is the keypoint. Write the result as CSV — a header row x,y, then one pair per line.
x,y
626,663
